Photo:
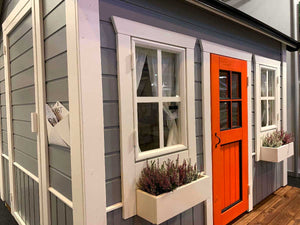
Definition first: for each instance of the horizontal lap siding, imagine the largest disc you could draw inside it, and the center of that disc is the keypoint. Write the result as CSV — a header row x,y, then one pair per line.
x,y
23,94
56,76
190,20
61,214
27,198
7,7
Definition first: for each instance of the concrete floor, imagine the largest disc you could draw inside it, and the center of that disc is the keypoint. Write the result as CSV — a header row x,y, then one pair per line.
x,y
5,216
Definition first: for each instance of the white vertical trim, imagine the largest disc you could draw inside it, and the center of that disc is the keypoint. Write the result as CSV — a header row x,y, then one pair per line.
x,y
9,123
42,150
284,111
92,111
76,136
250,158
207,142
86,112
126,124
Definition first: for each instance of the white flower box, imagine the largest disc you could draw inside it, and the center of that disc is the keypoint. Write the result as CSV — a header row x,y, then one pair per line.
x,y
277,154
157,209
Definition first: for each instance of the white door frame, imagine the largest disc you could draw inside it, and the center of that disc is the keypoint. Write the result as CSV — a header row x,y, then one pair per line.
x,y
207,49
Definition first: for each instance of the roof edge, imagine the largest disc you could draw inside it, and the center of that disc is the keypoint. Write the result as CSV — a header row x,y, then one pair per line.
x,y
246,20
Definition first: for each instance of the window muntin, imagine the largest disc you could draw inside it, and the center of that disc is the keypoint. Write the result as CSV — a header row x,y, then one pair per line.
x,y
268,98
159,101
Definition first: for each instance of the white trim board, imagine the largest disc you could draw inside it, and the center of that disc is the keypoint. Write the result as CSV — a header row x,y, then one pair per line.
x,y
207,48
86,112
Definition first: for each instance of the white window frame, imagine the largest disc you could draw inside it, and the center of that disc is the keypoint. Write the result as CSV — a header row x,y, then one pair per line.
x,y
128,33
269,64
160,99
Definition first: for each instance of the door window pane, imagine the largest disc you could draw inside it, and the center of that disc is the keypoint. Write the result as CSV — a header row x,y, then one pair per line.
x,y
236,85
170,69
271,109
271,83
263,113
224,115
236,114
146,72
171,123
148,126
263,82
224,79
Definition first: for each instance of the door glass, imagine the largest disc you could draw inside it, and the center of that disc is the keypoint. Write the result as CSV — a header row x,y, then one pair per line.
x,y
224,79
236,114
224,115
236,84
230,109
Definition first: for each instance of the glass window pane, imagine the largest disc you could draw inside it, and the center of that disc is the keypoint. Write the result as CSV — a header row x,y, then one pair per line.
x,y
263,113
148,126
224,79
170,70
146,71
224,115
263,82
271,83
236,85
236,114
271,108
171,124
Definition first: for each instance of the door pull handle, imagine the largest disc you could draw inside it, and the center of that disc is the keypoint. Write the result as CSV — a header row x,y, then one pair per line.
x,y
219,140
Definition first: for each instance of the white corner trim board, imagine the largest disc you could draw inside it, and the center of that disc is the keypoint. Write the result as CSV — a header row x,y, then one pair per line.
x,y
208,48
130,33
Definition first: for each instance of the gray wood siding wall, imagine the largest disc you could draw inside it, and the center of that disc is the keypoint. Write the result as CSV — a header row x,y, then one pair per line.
x,y
23,94
187,19
6,181
57,87
27,197
61,214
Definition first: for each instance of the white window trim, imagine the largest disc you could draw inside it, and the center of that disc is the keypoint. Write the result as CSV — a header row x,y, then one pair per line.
x,y
263,62
208,48
130,170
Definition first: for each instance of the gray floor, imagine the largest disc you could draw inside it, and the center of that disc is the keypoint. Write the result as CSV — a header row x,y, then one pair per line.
x,y
5,216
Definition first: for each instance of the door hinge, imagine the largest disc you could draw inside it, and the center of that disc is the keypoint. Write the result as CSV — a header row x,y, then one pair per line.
x,y
134,137
11,197
248,189
247,81
34,122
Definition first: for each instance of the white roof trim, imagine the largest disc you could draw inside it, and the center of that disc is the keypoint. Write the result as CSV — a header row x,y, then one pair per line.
x,y
140,30
218,49
266,61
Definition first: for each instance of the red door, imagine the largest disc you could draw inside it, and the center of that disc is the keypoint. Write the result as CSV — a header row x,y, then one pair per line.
x,y
229,138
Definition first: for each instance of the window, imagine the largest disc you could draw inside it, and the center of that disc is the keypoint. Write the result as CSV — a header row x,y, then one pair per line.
x,y
159,94
156,100
267,99
268,113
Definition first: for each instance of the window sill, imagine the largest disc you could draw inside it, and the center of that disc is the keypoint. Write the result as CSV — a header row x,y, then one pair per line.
x,y
140,156
268,128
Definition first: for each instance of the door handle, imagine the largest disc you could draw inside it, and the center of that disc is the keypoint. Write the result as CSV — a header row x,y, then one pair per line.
x,y
219,140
